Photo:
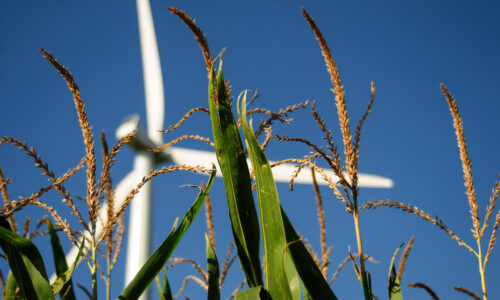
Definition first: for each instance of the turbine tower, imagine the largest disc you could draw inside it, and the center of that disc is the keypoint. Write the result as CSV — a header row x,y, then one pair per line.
x,y
139,229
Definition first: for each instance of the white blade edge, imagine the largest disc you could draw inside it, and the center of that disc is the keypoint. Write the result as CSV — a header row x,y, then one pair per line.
x,y
151,68
282,173
121,192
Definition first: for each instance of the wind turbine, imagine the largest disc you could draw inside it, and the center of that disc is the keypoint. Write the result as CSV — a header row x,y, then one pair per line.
x,y
139,230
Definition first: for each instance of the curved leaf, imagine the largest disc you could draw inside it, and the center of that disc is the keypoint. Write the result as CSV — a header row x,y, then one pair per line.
x,y
154,264
26,264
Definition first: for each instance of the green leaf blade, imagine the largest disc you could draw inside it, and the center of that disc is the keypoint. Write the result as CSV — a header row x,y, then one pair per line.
x,y
60,285
394,286
273,232
232,161
250,294
12,288
292,276
26,264
316,285
213,271
61,266
154,264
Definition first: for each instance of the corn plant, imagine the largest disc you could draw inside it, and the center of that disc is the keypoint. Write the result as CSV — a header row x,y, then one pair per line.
x,y
28,277
289,268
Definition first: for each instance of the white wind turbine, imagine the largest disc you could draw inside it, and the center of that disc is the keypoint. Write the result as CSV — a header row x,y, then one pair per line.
x,y
139,234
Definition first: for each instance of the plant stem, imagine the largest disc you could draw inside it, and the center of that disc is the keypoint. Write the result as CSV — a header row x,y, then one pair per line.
x,y
108,283
481,269
93,270
363,276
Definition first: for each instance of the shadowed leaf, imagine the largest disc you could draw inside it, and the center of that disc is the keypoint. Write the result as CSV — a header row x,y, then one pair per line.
x,y
213,271
60,285
26,264
154,264
309,273
60,263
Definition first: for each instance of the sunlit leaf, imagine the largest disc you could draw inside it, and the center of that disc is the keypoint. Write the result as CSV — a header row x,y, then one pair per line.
x,y
250,294
394,284
291,275
273,232
232,161
12,290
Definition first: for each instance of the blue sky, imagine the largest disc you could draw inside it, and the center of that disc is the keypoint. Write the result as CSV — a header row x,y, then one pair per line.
x,y
406,48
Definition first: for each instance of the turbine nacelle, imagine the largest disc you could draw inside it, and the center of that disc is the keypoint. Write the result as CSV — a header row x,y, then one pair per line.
x,y
140,141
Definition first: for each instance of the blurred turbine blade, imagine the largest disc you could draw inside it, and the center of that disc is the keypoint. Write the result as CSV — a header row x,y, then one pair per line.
x,y
151,69
282,173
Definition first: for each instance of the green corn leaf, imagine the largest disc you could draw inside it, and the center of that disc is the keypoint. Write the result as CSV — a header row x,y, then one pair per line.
x,y
154,264
232,161
394,284
291,275
364,279
167,291
164,292
12,289
213,271
60,263
305,293
60,285
273,232
26,264
250,294
316,285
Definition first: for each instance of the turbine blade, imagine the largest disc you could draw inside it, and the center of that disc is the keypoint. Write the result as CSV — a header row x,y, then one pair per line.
x,y
151,68
281,173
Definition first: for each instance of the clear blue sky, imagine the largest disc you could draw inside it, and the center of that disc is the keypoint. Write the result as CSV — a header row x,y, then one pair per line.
x,y
406,48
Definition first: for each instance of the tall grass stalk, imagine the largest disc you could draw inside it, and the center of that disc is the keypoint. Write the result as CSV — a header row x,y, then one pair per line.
x,y
351,149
